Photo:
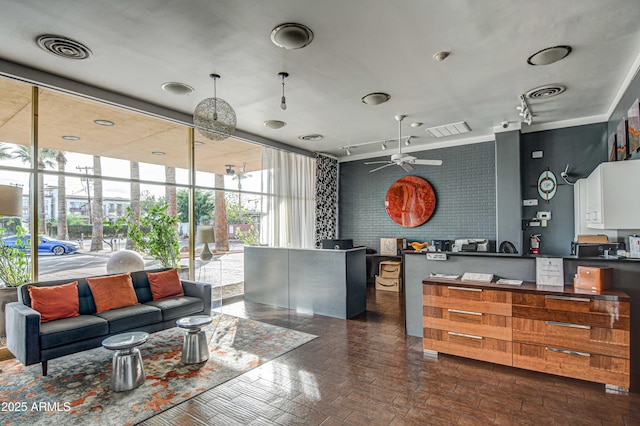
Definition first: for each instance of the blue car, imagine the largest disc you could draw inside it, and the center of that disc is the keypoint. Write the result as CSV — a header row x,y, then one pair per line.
x,y
45,245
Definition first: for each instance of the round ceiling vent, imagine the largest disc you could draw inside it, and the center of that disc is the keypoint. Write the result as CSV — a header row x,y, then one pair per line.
x,y
63,47
177,88
549,55
312,138
291,36
274,124
546,91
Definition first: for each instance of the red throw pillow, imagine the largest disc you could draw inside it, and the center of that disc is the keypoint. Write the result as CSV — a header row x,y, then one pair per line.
x,y
165,284
55,302
113,291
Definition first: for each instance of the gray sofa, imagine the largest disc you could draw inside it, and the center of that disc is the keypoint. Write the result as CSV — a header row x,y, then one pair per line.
x,y
32,342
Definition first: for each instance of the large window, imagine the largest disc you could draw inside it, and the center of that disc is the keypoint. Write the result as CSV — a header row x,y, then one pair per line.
x,y
95,163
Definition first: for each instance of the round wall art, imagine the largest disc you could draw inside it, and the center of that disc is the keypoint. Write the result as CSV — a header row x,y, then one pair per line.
x,y
410,201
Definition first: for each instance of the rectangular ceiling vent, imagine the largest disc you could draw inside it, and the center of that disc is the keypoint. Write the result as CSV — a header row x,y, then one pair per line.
x,y
449,129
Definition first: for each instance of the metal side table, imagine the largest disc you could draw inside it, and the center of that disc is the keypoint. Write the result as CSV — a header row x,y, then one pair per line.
x,y
195,348
127,369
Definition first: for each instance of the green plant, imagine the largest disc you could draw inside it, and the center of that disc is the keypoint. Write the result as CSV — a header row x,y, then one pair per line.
x,y
155,233
251,236
15,264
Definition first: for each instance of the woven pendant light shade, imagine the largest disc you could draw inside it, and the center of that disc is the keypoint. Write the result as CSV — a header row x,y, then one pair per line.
x,y
214,118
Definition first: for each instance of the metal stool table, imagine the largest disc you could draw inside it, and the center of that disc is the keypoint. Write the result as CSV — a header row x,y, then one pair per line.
x,y
195,348
127,369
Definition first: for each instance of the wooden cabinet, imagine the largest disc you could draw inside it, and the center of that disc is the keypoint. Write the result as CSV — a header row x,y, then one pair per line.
x,y
573,336
469,322
563,333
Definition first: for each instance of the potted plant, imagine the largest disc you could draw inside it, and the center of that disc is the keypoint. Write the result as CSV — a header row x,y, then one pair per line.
x,y
15,269
155,233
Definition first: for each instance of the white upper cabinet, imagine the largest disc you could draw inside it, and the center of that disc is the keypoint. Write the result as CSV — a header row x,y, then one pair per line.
x,y
613,196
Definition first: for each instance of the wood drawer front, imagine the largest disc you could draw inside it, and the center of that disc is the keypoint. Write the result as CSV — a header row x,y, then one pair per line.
x,y
585,366
468,346
593,340
574,310
467,299
468,322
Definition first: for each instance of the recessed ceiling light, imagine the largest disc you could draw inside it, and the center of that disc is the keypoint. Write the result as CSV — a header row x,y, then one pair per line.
x,y
71,138
63,47
158,153
376,98
291,36
549,55
104,122
312,138
198,143
441,56
176,88
274,124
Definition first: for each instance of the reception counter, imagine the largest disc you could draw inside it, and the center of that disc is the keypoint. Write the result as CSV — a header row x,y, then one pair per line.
x,y
626,278
314,281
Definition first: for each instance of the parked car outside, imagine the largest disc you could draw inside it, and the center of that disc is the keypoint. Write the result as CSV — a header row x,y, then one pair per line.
x,y
45,245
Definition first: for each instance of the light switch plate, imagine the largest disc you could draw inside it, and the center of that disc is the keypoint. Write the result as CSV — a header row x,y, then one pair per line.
x,y
537,154
532,202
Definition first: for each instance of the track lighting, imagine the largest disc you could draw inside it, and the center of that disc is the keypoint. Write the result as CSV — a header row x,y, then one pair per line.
x,y
384,145
408,141
348,151
525,113
283,101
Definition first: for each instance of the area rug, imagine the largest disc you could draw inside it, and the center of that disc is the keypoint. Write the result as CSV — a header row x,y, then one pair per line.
x,y
76,390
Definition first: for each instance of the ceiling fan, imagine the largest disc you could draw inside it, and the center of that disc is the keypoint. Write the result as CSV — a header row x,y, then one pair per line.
x,y
405,161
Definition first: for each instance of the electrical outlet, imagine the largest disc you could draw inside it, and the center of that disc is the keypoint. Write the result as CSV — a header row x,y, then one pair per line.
x,y
543,215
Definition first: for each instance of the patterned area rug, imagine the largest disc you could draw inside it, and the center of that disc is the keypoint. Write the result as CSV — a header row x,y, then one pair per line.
x,y
76,390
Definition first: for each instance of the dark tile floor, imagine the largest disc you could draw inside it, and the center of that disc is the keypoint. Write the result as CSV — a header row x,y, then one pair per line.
x,y
365,371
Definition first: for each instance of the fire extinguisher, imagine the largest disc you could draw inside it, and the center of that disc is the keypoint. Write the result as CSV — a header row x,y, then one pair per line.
x,y
534,243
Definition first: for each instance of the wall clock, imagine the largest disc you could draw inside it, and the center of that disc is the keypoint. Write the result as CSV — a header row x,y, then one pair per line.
x,y
410,201
547,184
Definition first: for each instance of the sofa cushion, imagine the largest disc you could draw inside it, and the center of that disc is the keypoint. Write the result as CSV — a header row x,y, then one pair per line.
x,y
178,307
112,292
70,330
131,317
55,302
165,284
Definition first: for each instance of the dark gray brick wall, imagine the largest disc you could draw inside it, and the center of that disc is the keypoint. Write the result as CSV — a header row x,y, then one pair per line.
x,y
465,197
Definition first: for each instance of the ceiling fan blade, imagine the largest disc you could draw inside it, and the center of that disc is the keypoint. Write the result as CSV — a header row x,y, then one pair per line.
x,y
379,162
428,162
381,167
407,167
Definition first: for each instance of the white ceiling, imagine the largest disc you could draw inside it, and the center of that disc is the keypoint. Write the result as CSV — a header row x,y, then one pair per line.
x,y
359,47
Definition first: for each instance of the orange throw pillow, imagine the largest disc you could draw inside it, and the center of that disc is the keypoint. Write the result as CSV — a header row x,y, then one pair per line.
x,y
55,302
165,284
113,291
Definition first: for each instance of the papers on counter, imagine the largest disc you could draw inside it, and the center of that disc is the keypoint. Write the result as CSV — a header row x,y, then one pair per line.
x,y
444,276
471,276
509,282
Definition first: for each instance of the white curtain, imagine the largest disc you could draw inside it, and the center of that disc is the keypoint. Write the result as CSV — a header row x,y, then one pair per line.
x,y
290,205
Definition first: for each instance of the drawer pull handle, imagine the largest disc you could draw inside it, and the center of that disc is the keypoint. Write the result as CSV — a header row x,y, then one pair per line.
x,y
470,336
460,311
451,287
566,324
571,299
567,351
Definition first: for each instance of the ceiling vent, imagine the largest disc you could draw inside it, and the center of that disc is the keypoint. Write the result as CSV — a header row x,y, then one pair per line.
x,y
312,138
449,129
546,91
63,47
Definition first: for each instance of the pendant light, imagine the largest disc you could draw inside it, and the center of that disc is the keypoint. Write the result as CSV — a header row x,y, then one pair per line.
x,y
283,101
213,117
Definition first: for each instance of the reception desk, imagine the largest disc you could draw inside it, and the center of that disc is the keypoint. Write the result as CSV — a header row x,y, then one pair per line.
x,y
314,281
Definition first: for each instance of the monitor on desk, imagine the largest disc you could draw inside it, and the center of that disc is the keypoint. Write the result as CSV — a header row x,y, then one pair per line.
x,y
337,244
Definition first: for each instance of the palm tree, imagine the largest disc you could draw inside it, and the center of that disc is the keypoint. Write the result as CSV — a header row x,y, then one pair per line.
x,y
170,191
63,232
220,228
96,210
4,152
135,197
46,159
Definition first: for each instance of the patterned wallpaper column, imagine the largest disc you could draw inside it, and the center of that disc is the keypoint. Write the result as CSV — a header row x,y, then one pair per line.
x,y
326,198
